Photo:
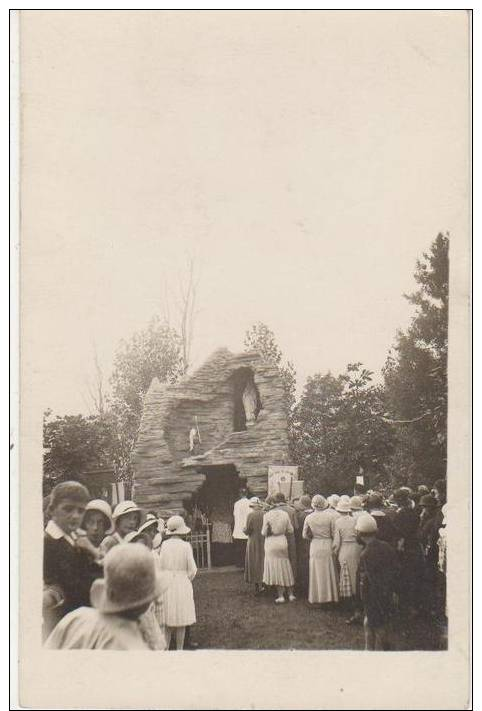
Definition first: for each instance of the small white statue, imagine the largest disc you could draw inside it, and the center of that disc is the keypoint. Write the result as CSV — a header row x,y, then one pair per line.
x,y
250,402
194,437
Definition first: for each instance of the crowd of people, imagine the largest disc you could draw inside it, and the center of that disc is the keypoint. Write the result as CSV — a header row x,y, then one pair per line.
x,y
123,579
115,580
376,556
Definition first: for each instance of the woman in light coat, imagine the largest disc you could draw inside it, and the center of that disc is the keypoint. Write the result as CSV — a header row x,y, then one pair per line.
x,y
277,566
319,526
176,558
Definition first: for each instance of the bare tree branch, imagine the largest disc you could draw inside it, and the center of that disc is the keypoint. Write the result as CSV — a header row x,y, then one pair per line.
x,y
95,385
186,309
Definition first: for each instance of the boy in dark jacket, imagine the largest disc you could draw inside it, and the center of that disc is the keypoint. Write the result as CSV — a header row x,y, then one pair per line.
x,y
66,585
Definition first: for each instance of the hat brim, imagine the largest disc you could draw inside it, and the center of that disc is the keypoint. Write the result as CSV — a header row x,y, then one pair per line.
x,y
178,532
101,602
124,513
146,525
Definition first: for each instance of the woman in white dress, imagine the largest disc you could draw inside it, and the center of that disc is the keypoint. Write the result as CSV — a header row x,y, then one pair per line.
x,y
319,526
277,566
177,560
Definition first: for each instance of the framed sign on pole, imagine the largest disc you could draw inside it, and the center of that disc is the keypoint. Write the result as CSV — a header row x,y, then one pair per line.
x,y
283,479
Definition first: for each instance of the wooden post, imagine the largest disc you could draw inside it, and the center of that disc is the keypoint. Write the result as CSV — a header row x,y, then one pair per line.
x,y
208,545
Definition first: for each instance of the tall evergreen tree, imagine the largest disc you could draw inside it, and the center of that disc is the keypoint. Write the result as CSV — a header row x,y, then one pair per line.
x,y
416,374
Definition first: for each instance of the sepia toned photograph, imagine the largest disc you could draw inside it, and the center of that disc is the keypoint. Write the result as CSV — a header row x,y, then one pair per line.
x,y
244,351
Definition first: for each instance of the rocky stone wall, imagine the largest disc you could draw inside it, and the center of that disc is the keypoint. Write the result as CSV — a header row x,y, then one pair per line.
x,y
165,473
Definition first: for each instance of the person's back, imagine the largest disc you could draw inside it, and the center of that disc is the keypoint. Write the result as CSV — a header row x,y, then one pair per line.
x,y
240,513
320,523
380,563
378,571
345,525
406,523
87,628
300,520
254,522
386,529
278,521
130,585
384,517
291,511
175,555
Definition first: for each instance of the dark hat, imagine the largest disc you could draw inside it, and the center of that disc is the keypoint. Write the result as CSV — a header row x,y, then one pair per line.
x,y
428,501
375,501
401,496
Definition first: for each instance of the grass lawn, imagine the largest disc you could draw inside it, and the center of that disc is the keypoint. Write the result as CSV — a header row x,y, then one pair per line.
x,y
231,617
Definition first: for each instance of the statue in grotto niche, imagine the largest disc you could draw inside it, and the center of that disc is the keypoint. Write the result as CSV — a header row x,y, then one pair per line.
x,y
194,438
250,402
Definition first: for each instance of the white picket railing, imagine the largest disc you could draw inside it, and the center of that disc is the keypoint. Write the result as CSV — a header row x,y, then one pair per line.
x,y
201,546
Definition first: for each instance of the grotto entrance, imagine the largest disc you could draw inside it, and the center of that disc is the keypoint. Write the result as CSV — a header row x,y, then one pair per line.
x,y
214,502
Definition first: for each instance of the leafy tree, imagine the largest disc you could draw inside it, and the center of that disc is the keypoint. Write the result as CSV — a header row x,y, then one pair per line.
x,y
416,374
339,431
153,352
73,444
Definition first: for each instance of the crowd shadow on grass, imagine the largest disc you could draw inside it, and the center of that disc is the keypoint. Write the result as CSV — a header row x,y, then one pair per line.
x,y
230,616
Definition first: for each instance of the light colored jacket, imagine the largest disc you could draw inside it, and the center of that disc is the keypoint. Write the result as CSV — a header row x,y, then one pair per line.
x,y
320,523
278,521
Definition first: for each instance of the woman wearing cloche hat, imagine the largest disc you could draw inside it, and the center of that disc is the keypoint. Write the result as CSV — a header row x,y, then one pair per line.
x,y
97,521
126,592
319,526
126,518
347,550
177,560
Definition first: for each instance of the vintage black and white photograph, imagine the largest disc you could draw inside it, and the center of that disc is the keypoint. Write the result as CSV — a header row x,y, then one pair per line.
x,y
245,242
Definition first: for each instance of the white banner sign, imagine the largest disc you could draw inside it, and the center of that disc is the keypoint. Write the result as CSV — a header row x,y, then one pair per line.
x,y
281,478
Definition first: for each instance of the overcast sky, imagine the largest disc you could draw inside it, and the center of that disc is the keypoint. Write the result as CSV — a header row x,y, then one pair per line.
x,y
305,160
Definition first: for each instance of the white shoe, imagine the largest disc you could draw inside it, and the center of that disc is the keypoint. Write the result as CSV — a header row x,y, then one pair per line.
x,y
292,598
279,600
